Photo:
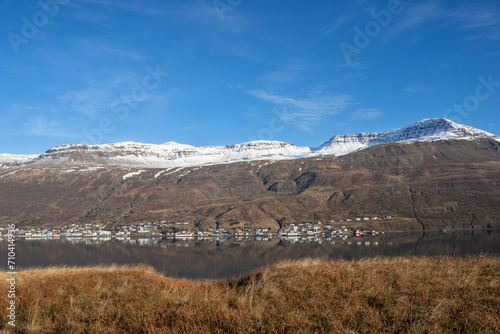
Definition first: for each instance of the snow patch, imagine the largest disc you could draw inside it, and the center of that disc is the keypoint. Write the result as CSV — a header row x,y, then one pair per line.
x,y
160,172
129,175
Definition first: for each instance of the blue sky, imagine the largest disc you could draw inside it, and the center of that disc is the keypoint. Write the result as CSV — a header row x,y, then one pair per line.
x,y
231,71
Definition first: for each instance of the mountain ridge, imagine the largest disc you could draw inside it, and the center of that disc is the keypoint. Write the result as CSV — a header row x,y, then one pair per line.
x,y
172,154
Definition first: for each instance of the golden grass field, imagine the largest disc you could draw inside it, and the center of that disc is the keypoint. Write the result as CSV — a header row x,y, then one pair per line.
x,y
380,295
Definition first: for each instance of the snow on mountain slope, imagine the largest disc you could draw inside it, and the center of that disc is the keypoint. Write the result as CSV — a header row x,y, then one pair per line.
x,y
425,130
171,154
15,159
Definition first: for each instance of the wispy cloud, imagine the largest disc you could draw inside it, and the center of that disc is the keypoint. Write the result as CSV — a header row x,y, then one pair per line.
x,y
366,114
93,97
418,88
476,16
353,64
96,48
40,125
235,85
190,127
135,6
279,77
306,111
416,15
289,72
479,20
494,54
88,101
33,108
208,15
333,27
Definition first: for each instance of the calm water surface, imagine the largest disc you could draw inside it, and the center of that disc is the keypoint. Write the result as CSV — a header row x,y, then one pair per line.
x,y
209,259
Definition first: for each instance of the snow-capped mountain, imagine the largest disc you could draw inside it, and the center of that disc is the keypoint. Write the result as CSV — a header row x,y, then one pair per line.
x,y
172,154
169,154
425,130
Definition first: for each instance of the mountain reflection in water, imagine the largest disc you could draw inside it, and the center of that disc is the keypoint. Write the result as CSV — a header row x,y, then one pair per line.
x,y
210,259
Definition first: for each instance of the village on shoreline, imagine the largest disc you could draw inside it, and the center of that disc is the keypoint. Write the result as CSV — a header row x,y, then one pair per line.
x,y
181,230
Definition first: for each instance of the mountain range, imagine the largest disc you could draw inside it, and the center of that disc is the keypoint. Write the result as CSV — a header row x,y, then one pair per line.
x,y
172,154
435,173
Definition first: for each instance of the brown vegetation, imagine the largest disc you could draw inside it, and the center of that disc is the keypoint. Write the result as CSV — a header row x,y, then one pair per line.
x,y
414,295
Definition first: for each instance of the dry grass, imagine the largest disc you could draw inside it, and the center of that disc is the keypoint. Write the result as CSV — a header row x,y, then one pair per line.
x,y
397,295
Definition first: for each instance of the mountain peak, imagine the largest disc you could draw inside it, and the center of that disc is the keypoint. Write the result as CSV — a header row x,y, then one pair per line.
x,y
424,130
436,120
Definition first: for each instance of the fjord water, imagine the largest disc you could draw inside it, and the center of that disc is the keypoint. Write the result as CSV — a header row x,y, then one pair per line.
x,y
211,259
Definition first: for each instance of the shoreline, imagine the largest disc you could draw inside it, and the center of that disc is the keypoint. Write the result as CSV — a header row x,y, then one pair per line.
x,y
254,236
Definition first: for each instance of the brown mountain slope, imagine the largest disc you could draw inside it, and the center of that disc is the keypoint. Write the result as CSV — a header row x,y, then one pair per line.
x,y
422,185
